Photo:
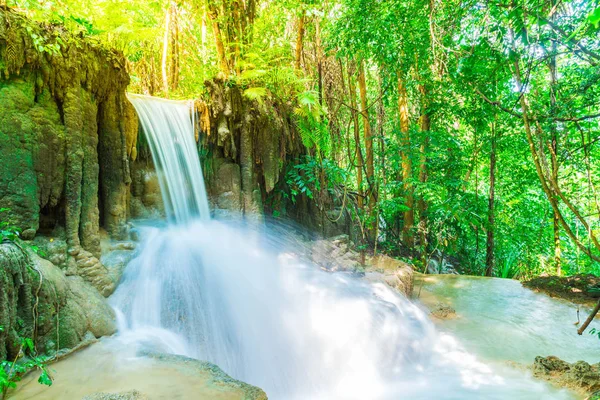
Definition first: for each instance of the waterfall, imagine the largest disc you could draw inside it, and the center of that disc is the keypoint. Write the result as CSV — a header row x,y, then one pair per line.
x,y
169,129
247,301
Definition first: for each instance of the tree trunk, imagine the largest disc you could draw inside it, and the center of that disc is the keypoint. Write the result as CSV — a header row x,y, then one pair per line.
x,y
554,155
489,249
358,153
409,215
165,53
213,14
368,136
300,40
425,127
319,58
381,134
174,72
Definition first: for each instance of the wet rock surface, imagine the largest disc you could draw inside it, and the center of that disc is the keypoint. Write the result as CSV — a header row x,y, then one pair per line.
x,y
579,375
98,372
67,137
338,254
443,311
130,395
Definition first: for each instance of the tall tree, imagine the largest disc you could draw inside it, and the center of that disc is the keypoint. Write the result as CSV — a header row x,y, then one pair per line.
x,y
368,135
409,214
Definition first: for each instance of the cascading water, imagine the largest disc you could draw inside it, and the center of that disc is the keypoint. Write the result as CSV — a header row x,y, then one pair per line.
x,y
232,296
169,128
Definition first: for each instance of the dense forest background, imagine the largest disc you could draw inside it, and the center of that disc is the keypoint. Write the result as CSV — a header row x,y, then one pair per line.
x,y
464,128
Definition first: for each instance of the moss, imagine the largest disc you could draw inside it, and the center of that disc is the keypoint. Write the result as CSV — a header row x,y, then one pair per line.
x,y
257,136
56,108
66,135
15,300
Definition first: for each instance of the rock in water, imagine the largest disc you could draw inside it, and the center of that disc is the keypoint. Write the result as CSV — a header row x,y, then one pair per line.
x,y
131,395
443,311
579,375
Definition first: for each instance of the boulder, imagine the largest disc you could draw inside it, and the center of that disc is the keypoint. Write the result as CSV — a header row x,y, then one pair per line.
x,y
336,254
40,301
579,375
396,274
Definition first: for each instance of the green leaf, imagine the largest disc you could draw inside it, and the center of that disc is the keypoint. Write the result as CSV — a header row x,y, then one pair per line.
x,y
45,378
256,93
28,344
594,17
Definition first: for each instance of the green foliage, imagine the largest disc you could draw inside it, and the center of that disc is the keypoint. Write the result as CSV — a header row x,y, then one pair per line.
x,y
457,61
27,360
7,230
11,233
42,44
594,17
308,177
312,124
255,93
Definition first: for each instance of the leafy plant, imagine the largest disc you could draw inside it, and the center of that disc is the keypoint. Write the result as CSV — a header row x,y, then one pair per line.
x,y
42,44
509,267
11,233
7,230
26,360
312,175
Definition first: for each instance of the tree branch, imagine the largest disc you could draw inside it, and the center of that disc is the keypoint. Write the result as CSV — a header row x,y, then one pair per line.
x,y
497,104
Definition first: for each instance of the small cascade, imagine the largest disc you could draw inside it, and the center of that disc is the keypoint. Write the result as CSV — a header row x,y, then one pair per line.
x,y
169,128
238,298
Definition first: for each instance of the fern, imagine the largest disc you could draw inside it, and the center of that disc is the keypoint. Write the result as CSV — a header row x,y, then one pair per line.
x,y
255,93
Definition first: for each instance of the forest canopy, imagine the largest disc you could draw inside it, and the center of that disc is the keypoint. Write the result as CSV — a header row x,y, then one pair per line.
x,y
464,128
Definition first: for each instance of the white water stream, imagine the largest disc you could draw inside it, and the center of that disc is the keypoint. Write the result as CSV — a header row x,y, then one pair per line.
x,y
234,297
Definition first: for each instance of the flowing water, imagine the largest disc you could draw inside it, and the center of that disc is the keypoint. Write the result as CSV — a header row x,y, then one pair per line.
x,y
529,324
236,297
169,129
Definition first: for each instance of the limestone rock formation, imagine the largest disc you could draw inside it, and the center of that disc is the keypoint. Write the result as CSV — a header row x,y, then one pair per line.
x,y
145,199
579,375
67,134
397,274
247,144
336,254
443,311
39,301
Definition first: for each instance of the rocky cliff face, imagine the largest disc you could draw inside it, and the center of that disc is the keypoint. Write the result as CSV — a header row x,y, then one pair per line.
x,y
247,147
67,134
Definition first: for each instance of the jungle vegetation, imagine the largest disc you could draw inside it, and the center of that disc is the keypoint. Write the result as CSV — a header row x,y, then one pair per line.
x,y
466,127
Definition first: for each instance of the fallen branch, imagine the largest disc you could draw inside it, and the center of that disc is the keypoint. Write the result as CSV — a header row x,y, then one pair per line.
x,y
589,319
